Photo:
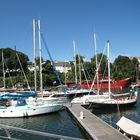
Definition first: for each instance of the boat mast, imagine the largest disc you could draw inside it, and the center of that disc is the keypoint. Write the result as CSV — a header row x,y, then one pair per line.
x,y
40,52
79,68
34,43
75,62
65,71
97,67
3,70
109,90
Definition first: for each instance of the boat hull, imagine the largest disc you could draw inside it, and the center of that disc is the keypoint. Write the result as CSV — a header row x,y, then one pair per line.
x,y
28,110
116,105
85,99
78,93
119,84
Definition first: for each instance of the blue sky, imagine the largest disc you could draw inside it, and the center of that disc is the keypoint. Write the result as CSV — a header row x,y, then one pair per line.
x,y
63,21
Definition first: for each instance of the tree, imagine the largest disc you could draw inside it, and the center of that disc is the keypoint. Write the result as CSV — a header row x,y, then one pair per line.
x,y
134,69
102,63
89,69
124,67
78,56
38,61
11,60
49,76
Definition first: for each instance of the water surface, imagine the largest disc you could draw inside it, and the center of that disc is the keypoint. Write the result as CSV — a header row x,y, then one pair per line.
x,y
57,123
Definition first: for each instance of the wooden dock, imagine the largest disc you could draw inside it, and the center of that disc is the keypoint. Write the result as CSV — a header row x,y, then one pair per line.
x,y
96,128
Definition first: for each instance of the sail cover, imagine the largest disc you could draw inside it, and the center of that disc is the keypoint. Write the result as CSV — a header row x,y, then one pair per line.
x,y
129,126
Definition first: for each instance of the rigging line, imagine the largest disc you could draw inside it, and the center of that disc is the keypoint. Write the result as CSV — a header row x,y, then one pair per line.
x,y
81,64
97,68
103,74
9,74
100,64
84,74
23,71
87,73
4,62
45,44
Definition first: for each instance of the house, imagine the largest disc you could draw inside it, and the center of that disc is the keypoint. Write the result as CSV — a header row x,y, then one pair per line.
x,y
59,65
62,66
30,66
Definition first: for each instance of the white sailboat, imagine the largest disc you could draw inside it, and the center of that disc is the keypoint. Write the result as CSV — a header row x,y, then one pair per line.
x,y
85,99
121,101
42,92
20,108
78,91
31,106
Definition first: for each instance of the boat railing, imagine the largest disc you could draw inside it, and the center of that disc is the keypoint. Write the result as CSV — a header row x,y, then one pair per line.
x,y
8,128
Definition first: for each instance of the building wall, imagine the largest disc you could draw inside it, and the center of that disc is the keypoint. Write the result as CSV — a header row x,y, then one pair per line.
x,y
59,65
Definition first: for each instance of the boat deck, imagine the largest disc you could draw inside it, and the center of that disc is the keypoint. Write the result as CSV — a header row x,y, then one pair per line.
x,y
94,126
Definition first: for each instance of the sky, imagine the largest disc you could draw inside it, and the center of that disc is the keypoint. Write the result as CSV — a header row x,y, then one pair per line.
x,y
63,21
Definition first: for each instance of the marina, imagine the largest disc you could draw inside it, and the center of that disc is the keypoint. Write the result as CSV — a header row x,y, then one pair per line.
x,y
112,116
60,79
91,126
75,121
94,127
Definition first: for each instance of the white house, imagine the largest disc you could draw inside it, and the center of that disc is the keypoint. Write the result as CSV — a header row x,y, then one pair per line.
x,y
62,66
59,65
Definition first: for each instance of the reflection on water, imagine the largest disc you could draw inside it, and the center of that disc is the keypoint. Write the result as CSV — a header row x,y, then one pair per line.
x,y
57,123
112,116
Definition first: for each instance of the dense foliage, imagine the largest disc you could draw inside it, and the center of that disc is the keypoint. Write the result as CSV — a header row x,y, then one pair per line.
x,y
12,62
122,67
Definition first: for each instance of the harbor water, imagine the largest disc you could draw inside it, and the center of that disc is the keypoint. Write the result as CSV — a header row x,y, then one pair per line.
x,y
60,123
112,116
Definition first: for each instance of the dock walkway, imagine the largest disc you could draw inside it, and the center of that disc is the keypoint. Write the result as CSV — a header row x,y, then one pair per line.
x,y
94,126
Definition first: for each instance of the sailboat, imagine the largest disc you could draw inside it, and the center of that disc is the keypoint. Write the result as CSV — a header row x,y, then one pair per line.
x,y
85,99
10,93
111,102
20,108
76,89
31,106
41,93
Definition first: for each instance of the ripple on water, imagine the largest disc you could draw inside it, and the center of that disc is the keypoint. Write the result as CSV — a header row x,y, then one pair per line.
x,y
113,116
57,123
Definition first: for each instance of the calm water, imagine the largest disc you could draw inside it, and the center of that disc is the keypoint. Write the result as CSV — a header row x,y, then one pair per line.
x,y
62,123
112,116
57,123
